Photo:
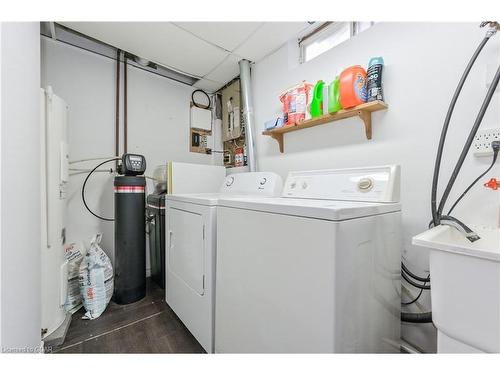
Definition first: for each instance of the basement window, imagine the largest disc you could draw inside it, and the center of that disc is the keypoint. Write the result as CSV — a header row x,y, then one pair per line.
x,y
328,35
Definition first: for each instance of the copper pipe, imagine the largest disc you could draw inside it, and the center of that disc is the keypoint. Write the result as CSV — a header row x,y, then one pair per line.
x,y
117,104
125,99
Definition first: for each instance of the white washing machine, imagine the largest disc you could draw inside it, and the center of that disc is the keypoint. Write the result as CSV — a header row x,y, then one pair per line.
x,y
191,224
316,270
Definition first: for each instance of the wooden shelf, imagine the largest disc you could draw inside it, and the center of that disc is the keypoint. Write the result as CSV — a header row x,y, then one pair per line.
x,y
364,111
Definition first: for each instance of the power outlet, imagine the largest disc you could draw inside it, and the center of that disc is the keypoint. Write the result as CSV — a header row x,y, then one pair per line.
x,y
482,142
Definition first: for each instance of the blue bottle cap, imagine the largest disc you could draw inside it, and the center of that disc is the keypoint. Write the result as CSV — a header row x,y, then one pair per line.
x,y
376,60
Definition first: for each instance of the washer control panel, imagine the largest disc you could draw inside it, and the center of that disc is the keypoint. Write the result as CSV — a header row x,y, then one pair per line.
x,y
365,184
373,184
255,183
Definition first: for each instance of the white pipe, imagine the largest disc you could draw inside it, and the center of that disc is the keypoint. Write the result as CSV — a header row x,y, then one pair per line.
x,y
110,170
246,97
91,159
86,172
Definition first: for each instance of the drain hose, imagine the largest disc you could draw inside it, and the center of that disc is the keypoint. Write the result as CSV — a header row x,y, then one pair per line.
x,y
416,317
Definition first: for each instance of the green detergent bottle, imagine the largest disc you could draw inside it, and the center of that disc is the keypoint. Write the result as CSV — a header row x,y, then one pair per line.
x,y
334,96
317,101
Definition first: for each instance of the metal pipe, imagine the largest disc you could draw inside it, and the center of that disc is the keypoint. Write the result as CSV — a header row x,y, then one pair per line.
x,y
246,97
89,159
125,109
117,105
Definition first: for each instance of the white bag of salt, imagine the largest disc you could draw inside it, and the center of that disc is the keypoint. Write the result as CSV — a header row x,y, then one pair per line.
x,y
96,280
74,254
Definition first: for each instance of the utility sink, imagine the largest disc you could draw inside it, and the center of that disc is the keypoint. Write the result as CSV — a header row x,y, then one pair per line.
x,y
465,288
449,239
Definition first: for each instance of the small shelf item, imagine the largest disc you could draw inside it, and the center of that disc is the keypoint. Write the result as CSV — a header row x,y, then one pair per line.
x,y
364,111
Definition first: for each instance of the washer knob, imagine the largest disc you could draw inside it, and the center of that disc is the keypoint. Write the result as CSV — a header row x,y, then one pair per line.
x,y
263,181
229,181
365,184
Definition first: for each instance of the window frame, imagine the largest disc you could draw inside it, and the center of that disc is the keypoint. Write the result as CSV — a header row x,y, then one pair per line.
x,y
325,30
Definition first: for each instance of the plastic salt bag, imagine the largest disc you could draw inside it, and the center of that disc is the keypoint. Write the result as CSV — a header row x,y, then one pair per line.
x,y
96,280
74,254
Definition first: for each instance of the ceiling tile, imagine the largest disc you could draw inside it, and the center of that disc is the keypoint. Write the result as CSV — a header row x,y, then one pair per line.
x,y
226,70
160,42
227,35
208,85
268,38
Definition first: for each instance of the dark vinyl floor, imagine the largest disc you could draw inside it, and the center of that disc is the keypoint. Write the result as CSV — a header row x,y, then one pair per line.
x,y
146,326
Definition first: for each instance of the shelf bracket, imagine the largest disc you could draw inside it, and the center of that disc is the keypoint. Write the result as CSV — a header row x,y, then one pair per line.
x,y
367,119
279,138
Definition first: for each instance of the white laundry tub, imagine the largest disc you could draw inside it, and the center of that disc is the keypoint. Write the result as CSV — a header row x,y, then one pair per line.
x,y
465,294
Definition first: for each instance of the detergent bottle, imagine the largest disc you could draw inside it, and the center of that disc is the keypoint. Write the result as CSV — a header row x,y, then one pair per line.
x,y
334,96
374,79
317,101
352,86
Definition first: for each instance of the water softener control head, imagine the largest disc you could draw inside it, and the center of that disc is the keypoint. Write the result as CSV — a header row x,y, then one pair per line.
x,y
132,165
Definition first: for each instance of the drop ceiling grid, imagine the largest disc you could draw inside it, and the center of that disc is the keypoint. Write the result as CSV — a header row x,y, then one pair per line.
x,y
227,69
159,42
203,50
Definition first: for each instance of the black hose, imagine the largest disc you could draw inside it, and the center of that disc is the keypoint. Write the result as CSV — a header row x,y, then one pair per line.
x,y
425,317
495,156
413,283
444,131
200,105
414,299
85,183
409,273
470,139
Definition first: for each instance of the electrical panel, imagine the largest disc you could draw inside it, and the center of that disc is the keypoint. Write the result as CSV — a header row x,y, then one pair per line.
x,y
200,129
231,111
201,118
200,141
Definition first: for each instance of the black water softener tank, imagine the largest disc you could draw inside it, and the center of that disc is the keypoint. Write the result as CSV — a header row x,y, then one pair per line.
x,y
130,231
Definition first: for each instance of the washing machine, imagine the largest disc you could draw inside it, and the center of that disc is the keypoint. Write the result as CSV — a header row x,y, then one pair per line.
x,y
316,270
191,224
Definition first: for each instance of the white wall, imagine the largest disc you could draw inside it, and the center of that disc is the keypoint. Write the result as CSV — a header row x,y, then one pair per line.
x,y
158,126
424,62
20,186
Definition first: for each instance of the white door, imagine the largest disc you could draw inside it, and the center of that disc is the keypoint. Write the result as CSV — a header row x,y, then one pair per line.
x,y
186,255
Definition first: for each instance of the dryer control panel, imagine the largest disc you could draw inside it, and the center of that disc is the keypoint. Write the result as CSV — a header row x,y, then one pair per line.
x,y
371,184
255,183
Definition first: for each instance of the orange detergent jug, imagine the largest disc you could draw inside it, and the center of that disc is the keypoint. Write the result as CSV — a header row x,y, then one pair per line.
x,y
353,86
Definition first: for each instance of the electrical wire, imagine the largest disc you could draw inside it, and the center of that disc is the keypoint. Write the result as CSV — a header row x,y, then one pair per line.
x,y
495,156
411,274
207,106
417,297
414,283
85,183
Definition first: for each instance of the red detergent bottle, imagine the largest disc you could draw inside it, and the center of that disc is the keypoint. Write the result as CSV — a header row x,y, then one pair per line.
x,y
353,86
